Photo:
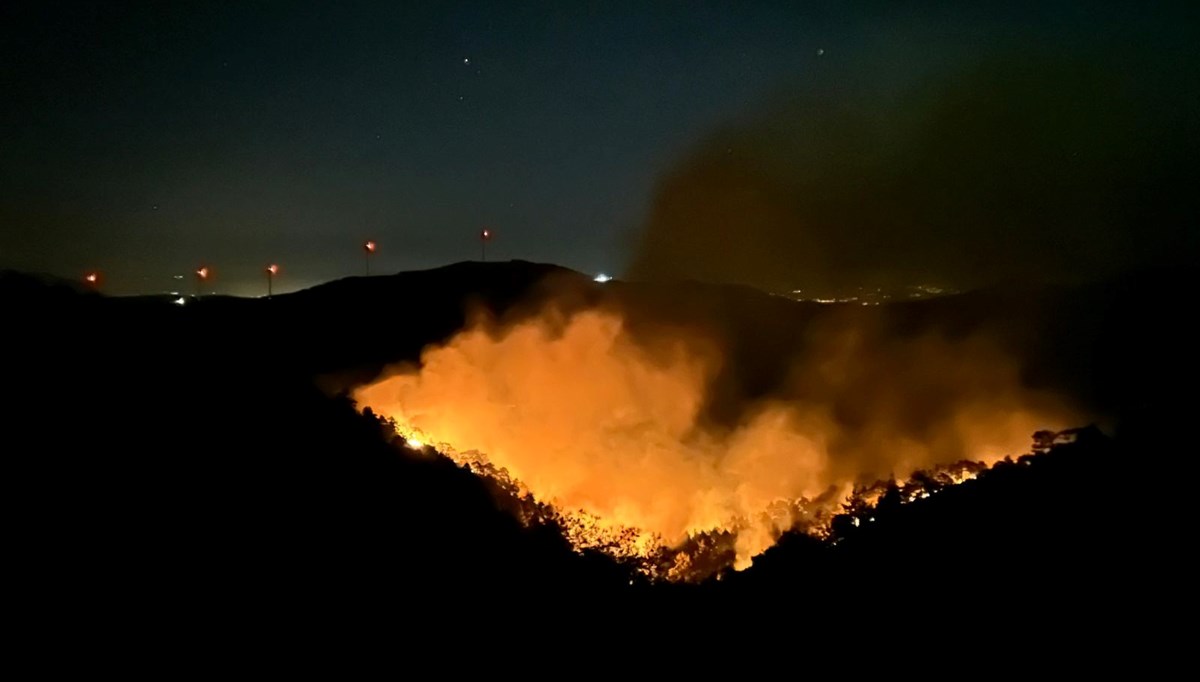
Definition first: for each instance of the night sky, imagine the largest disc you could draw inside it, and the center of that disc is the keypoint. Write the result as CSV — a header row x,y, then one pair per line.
x,y
145,140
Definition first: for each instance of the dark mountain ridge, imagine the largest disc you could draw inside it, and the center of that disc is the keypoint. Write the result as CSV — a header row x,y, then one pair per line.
x,y
184,458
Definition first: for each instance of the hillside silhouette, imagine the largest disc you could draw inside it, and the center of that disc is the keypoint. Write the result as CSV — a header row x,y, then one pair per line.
x,y
195,459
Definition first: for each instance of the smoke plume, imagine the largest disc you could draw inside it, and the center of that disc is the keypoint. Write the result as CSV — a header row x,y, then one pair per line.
x,y
1042,166
643,427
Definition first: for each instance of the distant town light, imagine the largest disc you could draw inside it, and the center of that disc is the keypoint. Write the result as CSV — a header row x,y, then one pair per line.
x,y
602,278
180,301
91,278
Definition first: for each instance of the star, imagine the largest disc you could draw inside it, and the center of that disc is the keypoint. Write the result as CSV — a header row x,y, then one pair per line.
x,y
466,60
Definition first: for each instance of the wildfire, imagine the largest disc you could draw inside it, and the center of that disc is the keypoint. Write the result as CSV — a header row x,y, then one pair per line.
x,y
705,552
596,434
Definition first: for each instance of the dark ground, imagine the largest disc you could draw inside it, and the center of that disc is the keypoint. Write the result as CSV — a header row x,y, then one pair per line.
x,y
179,465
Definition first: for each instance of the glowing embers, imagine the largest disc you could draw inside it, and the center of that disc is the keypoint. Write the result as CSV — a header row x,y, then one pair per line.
x,y
704,553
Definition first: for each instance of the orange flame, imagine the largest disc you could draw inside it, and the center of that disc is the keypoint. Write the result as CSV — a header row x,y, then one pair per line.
x,y
613,437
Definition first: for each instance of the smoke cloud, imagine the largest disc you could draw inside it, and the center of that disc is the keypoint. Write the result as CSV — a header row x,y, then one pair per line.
x,y
653,427
1031,165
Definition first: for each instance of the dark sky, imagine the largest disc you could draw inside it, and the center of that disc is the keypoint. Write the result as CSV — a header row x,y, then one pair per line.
x,y
144,139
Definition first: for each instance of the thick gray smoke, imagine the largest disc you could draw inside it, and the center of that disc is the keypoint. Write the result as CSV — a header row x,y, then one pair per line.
x,y
1069,165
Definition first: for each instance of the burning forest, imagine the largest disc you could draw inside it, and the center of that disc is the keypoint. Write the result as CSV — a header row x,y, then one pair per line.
x,y
647,442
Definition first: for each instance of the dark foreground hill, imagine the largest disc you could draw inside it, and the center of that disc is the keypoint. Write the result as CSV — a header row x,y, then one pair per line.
x,y
178,464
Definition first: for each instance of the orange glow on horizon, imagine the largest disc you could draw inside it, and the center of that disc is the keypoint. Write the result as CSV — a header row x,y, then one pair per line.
x,y
91,278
